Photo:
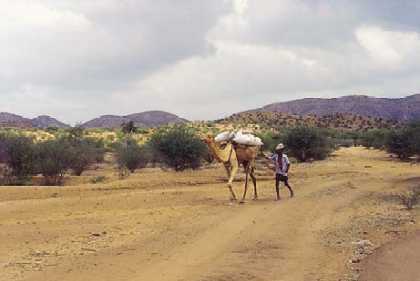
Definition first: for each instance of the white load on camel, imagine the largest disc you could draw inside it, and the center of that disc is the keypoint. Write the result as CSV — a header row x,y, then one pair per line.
x,y
239,138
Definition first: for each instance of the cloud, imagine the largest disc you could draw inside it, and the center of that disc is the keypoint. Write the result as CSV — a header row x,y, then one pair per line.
x,y
392,48
200,59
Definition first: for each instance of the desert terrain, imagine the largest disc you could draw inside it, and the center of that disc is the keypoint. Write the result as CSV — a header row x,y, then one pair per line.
x,y
165,226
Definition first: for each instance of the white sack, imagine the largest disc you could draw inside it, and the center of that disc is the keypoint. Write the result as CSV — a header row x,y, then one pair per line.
x,y
247,139
224,136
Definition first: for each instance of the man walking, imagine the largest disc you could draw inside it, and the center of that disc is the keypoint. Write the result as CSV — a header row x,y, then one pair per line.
x,y
282,164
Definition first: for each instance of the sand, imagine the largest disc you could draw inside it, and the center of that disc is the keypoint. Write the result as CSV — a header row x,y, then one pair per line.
x,y
167,226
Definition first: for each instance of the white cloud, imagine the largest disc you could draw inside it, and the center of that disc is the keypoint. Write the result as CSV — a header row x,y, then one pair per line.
x,y
31,14
201,59
392,48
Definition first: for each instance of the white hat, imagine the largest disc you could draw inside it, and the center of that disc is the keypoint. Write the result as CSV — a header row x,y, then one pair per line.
x,y
280,146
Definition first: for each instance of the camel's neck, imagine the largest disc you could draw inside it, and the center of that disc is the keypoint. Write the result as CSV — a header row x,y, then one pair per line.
x,y
222,155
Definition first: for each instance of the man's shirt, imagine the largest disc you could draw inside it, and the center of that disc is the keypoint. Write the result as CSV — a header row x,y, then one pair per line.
x,y
282,163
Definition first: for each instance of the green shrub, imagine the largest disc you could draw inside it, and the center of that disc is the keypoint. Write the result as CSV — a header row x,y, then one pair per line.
x,y
130,155
411,198
128,128
306,143
271,140
18,153
414,129
53,160
403,143
3,149
76,132
178,147
84,152
376,138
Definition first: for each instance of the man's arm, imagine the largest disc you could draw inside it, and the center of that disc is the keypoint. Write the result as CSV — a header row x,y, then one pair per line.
x,y
269,157
288,167
288,164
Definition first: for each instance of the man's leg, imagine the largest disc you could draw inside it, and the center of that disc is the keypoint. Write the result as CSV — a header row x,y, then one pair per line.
x,y
278,186
286,183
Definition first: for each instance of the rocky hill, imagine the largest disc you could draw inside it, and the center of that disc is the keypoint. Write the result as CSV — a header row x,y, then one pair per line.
x,y
15,121
45,121
277,120
401,109
144,120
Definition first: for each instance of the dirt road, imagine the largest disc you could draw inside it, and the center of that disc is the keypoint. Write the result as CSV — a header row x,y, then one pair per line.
x,y
167,226
395,261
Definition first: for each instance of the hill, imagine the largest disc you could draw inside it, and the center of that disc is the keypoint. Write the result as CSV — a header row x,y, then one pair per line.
x,y
13,120
401,109
341,121
45,121
17,121
143,119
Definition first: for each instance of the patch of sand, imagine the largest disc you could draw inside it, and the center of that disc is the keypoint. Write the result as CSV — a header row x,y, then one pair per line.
x,y
168,226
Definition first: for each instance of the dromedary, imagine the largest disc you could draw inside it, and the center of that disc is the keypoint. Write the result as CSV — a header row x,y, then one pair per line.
x,y
232,156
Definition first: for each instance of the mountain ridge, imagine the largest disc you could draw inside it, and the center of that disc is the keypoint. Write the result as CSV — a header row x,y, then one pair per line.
x,y
399,109
277,120
46,121
145,119
17,121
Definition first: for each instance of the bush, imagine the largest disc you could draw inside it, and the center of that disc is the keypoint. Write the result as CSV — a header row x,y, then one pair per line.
x,y
130,155
411,198
128,128
84,152
405,142
306,143
414,135
376,138
270,140
53,159
178,147
18,153
76,132
400,143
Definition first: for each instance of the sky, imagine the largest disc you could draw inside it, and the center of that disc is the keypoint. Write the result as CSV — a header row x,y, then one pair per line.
x,y
201,59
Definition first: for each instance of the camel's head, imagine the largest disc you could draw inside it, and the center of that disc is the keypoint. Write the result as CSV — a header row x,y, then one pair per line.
x,y
208,139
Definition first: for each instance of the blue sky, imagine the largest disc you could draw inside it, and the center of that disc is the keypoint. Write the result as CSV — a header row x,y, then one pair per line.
x,y
78,59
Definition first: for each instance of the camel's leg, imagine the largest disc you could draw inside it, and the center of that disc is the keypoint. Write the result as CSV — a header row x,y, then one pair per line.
x,y
227,170
246,182
254,181
233,171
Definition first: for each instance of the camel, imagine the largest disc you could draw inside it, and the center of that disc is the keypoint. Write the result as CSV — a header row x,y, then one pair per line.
x,y
232,156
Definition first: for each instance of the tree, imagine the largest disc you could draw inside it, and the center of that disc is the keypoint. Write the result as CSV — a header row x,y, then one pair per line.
x,y
414,135
405,142
53,160
178,147
76,132
84,152
306,143
130,155
128,128
270,140
18,154
376,138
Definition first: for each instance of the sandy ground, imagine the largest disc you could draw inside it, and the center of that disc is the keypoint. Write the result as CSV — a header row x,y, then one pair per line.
x,y
168,226
395,261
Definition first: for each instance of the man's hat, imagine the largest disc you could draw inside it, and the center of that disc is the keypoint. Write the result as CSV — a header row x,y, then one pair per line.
x,y
280,146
